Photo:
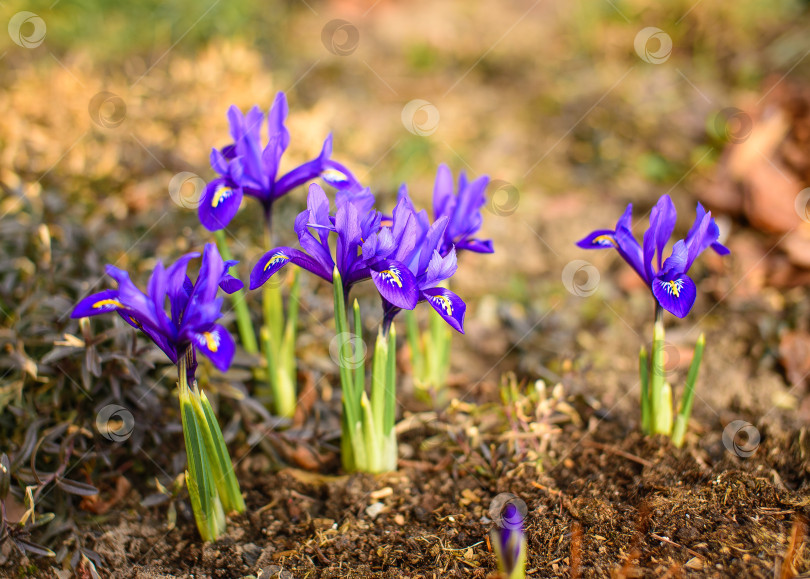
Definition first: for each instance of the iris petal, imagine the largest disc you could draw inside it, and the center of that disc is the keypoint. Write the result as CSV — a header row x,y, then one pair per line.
x,y
630,250
396,283
675,294
219,203
272,261
599,239
664,226
99,303
439,269
448,305
476,245
217,345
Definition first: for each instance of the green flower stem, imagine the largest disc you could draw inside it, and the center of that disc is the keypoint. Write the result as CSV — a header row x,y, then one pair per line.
x,y
278,340
658,413
246,332
685,411
415,345
438,356
285,391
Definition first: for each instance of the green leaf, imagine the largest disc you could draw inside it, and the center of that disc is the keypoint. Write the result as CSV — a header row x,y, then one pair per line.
x,y
379,384
219,459
688,399
33,548
200,487
75,487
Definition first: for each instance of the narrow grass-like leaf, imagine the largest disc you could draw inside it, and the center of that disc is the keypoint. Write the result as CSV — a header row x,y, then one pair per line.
x,y
360,366
371,437
644,375
390,384
220,460
200,487
352,452
75,487
379,385
33,548
688,399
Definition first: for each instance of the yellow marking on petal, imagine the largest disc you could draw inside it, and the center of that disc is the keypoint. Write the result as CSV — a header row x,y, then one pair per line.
x,y
444,303
107,302
334,175
136,322
274,260
601,238
211,340
675,288
392,275
221,195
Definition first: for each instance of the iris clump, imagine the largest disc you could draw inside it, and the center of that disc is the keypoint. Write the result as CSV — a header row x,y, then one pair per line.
x,y
188,328
457,207
673,290
250,166
400,256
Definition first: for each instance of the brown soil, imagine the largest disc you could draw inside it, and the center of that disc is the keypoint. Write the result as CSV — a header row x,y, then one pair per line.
x,y
596,508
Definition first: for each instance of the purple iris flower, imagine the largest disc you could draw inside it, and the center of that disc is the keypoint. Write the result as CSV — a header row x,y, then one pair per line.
x,y
361,253
245,167
462,207
194,307
510,542
427,264
672,287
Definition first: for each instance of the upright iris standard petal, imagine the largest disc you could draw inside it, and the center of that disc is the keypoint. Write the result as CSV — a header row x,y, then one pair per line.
x,y
440,268
448,305
664,226
710,235
219,203
462,207
228,283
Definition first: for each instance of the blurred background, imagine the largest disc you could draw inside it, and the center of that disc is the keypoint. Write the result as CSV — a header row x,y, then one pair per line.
x,y
574,109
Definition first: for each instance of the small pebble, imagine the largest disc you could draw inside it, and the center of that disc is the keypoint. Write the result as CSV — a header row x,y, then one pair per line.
x,y
374,509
